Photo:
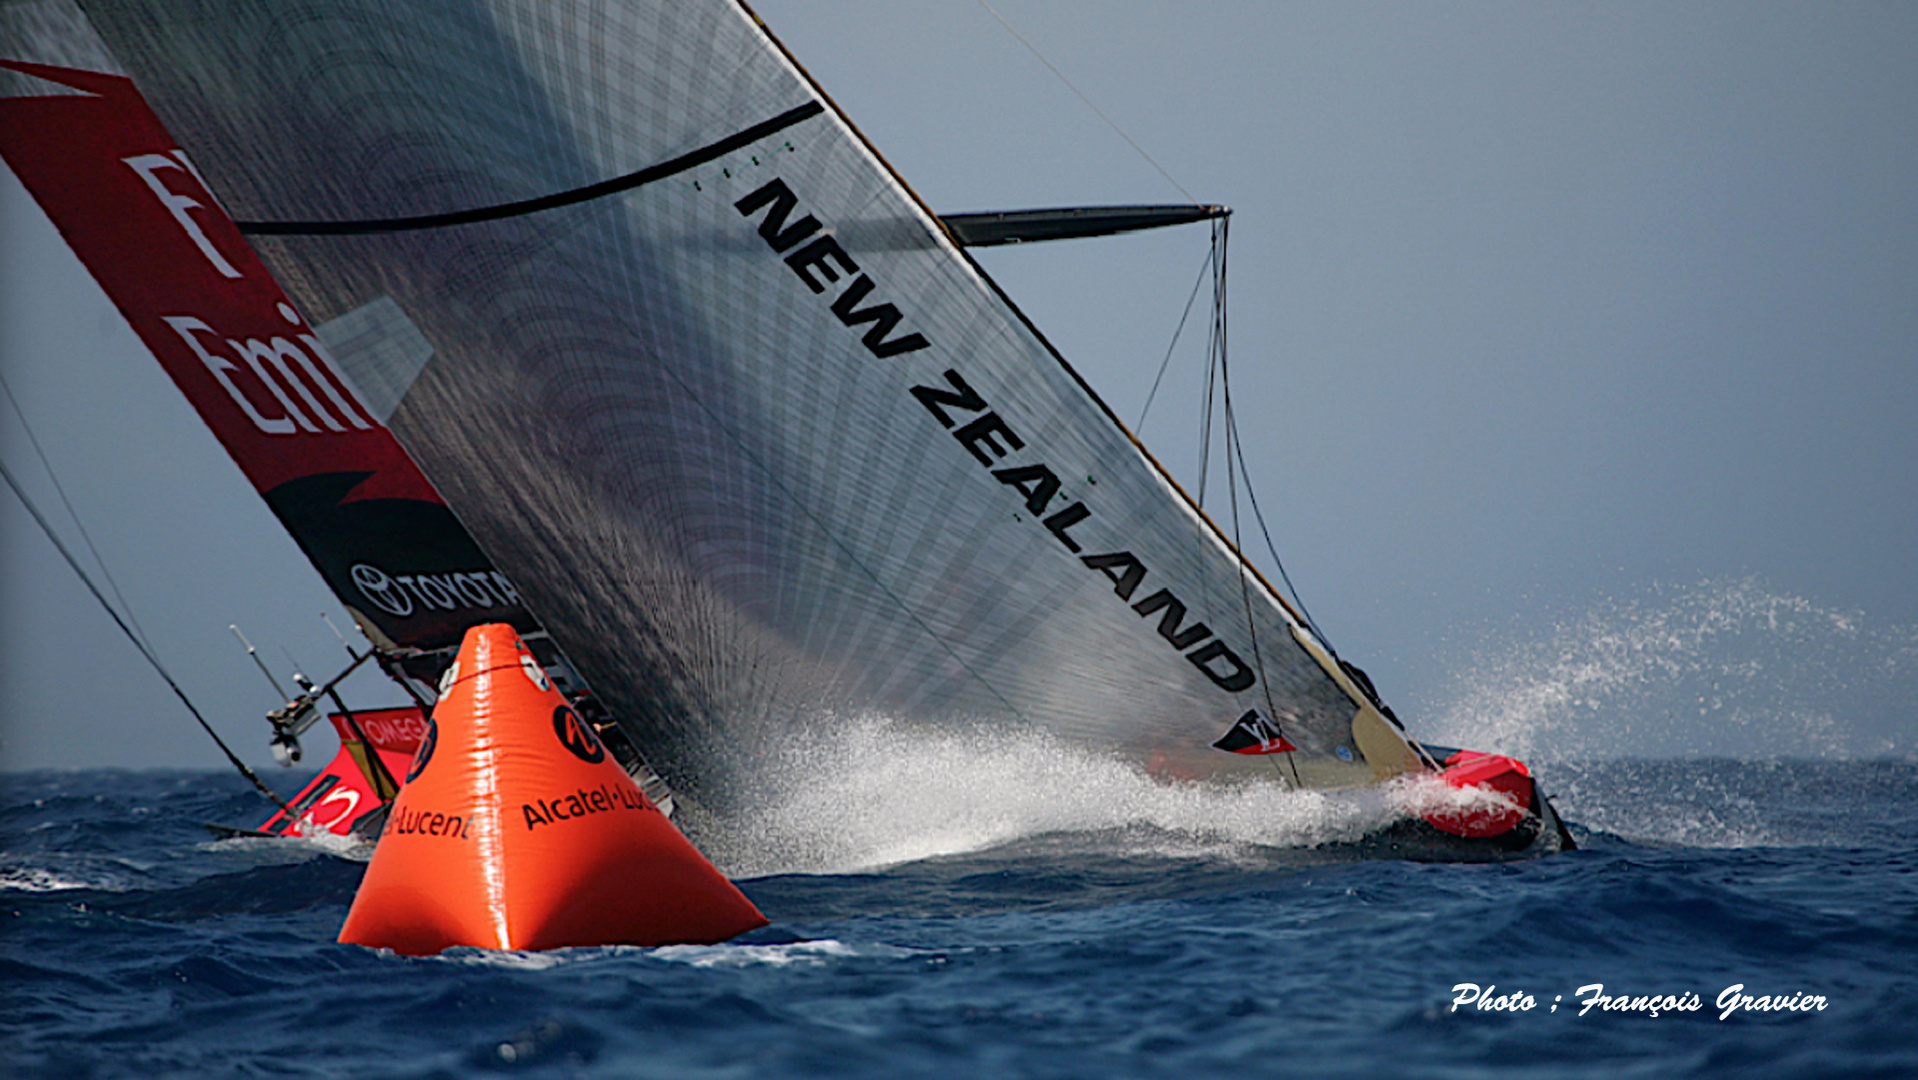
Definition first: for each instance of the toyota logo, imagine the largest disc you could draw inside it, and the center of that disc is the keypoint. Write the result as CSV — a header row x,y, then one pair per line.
x,y
380,590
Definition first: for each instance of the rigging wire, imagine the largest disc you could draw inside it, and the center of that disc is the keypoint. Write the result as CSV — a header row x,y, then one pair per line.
x,y
1245,597
1197,284
61,490
1213,345
1222,364
1271,549
1218,398
1034,50
1218,392
151,659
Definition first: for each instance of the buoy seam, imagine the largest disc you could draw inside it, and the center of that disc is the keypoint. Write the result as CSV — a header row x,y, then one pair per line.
x,y
515,665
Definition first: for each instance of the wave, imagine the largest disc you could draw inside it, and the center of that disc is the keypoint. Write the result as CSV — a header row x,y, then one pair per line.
x,y
813,953
37,879
267,850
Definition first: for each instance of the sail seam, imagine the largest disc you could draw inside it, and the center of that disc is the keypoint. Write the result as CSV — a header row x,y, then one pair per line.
x,y
614,186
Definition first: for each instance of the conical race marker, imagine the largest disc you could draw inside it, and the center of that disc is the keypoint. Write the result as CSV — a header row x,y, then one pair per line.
x,y
517,830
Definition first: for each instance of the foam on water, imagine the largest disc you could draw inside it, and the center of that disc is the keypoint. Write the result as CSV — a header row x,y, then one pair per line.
x,y
507,959
40,879
279,849
810,953
868,792
62,871
789,954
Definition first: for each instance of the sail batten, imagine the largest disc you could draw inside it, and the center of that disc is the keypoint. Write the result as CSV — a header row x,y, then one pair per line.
x,y
648,175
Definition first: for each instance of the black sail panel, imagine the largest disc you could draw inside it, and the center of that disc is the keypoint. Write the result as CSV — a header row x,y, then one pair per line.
x,y
757,442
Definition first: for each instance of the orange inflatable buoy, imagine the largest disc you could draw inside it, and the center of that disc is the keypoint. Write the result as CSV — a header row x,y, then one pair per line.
x,y
517,830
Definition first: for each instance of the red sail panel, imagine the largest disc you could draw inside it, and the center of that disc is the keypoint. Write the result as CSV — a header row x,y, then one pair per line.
x,y
134,209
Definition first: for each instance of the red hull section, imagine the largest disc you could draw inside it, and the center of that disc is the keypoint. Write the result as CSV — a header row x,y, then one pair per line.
x,y
1507,778
343,795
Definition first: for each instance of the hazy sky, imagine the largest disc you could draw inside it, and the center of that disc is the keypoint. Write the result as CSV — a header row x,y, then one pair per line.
x,y
1536,310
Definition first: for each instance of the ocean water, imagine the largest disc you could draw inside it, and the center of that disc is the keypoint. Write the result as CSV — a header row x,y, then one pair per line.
x,y
136,945
1000,905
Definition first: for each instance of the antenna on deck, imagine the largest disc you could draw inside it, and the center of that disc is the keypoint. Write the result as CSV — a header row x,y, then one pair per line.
x,y
254,654
291,720
328,620
299,677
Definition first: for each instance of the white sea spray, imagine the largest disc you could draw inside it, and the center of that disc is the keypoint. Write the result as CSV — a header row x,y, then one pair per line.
x,y
848,794
1721,668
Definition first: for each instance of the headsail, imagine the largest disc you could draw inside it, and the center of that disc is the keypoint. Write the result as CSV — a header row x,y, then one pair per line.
x,y
305,426
262,379
756,439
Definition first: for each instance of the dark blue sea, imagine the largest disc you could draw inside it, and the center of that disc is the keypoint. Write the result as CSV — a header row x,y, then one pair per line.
x,y
1132,937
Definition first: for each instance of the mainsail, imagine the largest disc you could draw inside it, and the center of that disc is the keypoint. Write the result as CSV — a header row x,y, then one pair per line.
x,y
736,415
